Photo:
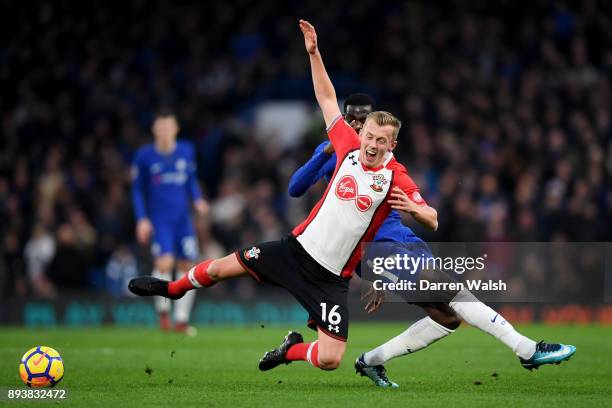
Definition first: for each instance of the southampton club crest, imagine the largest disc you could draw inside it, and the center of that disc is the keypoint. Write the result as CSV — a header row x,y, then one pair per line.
x,y
378,181
252,253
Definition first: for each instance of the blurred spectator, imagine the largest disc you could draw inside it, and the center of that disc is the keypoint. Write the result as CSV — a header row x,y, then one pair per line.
x,y
121,267
506,110
38,253
70,266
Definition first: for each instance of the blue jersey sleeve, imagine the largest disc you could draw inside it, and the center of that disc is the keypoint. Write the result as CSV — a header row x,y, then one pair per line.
x,y
139,178
315,169
192,183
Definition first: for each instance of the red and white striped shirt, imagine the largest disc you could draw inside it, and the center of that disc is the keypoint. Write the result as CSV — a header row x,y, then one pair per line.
x,y
354,205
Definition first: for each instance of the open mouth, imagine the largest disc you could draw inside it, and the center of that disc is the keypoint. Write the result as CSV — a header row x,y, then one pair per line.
x,y
370,155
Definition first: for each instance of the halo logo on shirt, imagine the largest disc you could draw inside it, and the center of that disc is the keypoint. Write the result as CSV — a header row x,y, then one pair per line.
x,y
346,190
155,168
252,253
378,181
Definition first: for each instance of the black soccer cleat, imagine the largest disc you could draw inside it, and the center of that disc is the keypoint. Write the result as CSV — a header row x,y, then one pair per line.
x,y
276,357
149,286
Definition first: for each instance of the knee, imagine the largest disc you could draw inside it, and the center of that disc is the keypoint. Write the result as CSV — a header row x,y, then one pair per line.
x,y
329,362
214,270
444,316
451,322
164,264
329,359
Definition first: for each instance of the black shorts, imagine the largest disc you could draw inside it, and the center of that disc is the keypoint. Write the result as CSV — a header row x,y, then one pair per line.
x,y
285,263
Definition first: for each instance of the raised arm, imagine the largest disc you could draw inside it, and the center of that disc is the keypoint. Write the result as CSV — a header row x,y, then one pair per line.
x,y
323,87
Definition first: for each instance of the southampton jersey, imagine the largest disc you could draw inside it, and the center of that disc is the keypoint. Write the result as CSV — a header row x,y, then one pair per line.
x,y
354,205
321,166
164,184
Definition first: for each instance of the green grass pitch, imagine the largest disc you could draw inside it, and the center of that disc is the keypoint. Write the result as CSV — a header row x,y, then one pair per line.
x,y
106,367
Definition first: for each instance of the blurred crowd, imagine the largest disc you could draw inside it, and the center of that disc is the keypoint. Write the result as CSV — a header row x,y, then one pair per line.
x,y
506,110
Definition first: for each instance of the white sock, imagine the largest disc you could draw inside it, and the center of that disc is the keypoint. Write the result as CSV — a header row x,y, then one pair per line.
x,y
420,335
161,303
183,306
479,315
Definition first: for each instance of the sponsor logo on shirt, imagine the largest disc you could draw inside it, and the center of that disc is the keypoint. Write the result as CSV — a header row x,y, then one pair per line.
x,y
346,190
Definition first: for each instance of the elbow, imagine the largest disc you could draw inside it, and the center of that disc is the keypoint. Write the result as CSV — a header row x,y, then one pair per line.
x,y
433,226
293,191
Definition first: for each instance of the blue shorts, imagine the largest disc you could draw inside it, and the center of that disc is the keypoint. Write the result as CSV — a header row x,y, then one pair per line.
x,y
175,238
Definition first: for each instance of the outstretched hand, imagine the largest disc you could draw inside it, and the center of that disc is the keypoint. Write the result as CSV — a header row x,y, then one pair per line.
x,y
310,36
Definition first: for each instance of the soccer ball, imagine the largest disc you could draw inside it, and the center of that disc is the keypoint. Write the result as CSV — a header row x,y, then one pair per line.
x,y
41,366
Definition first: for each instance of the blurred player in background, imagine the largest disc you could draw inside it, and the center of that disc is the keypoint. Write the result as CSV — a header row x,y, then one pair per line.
x,y
164,186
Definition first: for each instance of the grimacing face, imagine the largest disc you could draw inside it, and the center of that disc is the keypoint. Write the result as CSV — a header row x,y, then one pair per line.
x,y
165,129
376,141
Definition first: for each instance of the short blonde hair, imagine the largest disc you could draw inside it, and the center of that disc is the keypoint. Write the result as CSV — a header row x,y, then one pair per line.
x,y
383,118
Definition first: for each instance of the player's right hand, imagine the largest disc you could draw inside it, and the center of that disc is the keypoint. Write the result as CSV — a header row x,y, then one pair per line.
x,y
144,229
356,125
374,299
310,36
329,149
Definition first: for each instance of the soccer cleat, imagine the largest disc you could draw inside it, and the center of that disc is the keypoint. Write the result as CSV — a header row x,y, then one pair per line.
x,y
149,286
548,353
276,357
377,373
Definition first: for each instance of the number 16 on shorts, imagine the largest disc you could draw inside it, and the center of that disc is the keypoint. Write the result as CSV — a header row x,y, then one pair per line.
x,y
333,318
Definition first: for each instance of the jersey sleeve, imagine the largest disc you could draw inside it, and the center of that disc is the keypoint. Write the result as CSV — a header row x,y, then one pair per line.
x,y
192,177
343,137
405,182
310,173
139,176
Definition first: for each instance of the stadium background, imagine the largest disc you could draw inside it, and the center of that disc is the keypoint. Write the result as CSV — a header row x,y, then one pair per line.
x,y
507,130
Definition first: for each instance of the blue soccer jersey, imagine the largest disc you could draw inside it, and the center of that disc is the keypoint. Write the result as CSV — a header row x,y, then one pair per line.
x,y
321,165
164,185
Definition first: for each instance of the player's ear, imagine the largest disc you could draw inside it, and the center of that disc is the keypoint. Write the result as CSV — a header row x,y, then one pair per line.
x,y
393,145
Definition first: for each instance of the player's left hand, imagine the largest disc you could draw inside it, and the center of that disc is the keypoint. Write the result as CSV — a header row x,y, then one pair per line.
x,y
202,208
310,36
399,201
374,299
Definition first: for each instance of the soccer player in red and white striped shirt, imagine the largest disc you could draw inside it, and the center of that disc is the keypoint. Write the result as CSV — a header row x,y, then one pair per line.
x,y
315,262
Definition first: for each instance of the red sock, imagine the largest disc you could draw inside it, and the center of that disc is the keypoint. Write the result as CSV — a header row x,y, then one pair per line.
x,y
195,278
304,352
